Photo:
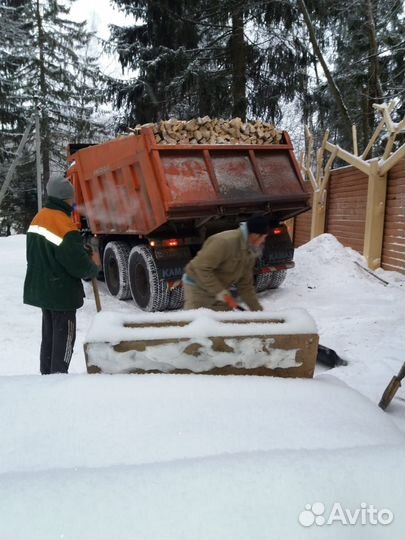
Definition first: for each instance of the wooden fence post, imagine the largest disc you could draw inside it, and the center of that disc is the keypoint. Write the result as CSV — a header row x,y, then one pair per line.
x,y
290,223
318,213
374,228
375,169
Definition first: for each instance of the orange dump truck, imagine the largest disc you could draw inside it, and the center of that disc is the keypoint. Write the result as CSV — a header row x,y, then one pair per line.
x,y
150,206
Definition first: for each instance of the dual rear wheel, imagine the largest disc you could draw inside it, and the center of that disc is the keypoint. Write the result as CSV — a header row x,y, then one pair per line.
x,y
133,272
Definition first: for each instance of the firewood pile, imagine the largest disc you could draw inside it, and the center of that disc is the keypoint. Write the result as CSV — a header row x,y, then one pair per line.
x,y
208,130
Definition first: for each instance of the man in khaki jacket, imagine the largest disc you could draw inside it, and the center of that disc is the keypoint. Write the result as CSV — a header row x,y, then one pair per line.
x,y
226,259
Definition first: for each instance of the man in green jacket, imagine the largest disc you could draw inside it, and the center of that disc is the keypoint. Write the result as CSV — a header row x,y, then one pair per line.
x,y
56,263
226,259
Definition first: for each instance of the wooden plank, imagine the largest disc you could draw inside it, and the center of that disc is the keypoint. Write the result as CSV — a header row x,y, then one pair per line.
x,y
345,181
337,196
395,209
397,175
394,253
394,227
349,158
394,230
348,191
350,176
304,346
395,244
318,213
395,236
397,180
355,235
350,207
397,194
349,172
345,213
393,258
348,188
393,268
348,214
302,229
396,157
346,227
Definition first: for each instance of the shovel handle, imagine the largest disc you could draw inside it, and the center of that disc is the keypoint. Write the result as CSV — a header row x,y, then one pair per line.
x,y
389,393
96,294
401,374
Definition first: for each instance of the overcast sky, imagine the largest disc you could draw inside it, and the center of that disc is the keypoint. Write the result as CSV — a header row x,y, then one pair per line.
x,y
98,16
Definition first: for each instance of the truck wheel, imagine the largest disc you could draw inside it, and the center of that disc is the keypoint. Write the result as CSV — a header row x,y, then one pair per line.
x,y
263,281
276,279
176,298
149,292
115,265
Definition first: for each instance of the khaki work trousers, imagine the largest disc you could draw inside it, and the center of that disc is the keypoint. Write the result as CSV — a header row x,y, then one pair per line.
x,y
195,298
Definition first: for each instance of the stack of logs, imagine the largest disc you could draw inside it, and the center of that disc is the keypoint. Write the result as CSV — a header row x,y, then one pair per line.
x,y
208,130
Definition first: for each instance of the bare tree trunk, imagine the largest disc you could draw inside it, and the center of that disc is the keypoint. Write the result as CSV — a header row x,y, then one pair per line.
x,y
45,139
331,82
375,91
238,59
374,69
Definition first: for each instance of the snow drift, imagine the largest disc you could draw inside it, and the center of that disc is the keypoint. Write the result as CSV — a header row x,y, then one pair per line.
x,y
161,456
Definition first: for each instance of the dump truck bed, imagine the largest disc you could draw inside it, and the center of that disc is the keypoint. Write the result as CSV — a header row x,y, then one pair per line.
x,y
132,185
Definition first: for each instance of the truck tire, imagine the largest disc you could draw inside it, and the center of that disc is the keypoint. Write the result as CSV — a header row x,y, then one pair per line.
x,y
276,279
149,292
115,266
270,280
176,298
263,281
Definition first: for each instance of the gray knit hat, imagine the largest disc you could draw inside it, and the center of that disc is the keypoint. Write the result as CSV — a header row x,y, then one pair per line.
x,y
60,188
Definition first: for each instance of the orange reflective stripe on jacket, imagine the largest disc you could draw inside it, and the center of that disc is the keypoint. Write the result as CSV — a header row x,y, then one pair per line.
x,y
54,231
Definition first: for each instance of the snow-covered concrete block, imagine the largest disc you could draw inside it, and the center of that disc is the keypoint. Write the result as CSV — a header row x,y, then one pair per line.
x,y
204,341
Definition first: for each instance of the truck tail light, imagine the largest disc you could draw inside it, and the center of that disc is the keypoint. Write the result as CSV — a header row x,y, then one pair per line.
x,y
278,230
170,243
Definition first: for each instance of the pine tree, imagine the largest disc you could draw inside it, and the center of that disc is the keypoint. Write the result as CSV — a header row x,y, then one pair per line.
x,y
13,119
161,50
53,68
11,31
364,43
221,58
57,73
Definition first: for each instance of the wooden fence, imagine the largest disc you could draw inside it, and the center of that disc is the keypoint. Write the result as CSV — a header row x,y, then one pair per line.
x,y
346,208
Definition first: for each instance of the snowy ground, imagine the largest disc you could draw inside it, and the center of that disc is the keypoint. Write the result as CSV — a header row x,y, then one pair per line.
x,y
180,457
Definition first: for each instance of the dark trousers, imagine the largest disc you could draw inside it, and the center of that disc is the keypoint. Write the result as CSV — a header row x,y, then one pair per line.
x,y
58,339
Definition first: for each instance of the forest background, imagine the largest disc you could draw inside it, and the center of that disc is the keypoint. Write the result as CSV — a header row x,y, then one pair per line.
x,y
320,63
